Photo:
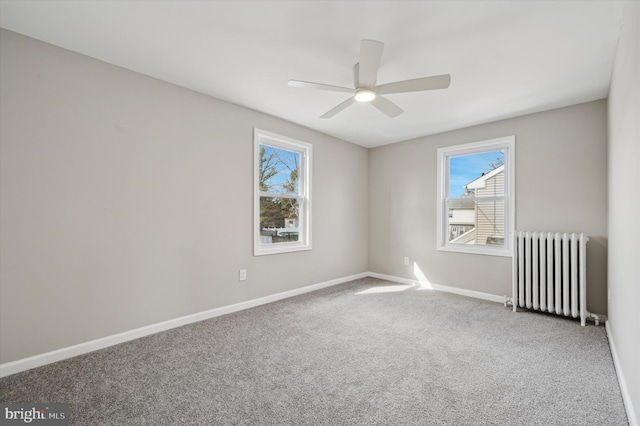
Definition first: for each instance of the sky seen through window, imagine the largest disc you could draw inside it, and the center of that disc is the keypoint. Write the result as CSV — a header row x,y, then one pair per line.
x,y
466,168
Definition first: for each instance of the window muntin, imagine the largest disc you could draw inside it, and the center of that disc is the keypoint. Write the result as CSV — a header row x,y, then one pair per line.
x,y
476,198
282,214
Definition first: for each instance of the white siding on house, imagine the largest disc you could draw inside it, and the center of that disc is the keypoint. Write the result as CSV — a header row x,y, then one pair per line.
x,y
490,222
462,217
490,214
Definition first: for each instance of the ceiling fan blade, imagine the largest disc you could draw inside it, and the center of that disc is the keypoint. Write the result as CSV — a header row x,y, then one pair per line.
x,y
415,85
356,75
309,85
386,106
339,108
370,55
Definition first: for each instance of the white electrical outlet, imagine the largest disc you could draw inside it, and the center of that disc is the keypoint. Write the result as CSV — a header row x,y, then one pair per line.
x,y
406,261
243,274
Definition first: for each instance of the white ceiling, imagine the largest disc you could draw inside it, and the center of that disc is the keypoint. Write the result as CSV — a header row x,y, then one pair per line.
x,y
505,58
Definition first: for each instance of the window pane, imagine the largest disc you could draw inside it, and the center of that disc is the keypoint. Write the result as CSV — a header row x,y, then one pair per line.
x,y
476,222
279,220
462,220
477,175
279,170
490,222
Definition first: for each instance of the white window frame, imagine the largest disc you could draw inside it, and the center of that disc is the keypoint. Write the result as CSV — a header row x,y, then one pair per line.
x,y
262,137
505,144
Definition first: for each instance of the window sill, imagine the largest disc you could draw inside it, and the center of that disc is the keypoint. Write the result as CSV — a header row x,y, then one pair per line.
x,y
263,250
483,250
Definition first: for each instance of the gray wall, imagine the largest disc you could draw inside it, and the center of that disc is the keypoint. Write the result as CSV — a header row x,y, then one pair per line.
x,y
624,203
561,185
127,201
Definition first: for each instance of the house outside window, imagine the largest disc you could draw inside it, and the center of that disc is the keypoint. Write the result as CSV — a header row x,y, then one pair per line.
x,y
476,197
282,194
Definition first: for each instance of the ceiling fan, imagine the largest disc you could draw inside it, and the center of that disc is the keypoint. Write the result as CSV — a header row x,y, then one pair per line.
x,y
364,81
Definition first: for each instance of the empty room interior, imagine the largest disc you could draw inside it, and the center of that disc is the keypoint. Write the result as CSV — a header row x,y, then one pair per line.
x,y
318,212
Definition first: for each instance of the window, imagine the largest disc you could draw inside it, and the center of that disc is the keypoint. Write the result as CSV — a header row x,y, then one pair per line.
x,y
282,194
476,197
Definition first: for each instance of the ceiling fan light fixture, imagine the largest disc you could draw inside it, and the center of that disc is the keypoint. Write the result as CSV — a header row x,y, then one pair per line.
x,y
365,95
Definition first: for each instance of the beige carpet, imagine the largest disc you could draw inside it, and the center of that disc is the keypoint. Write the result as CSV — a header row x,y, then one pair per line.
x,y
368,352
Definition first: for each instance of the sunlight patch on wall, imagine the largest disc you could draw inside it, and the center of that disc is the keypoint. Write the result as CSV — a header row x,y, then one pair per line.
x,y
421,277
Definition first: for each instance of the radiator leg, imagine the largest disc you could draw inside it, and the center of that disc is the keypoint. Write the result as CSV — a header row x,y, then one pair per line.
x,y
590,316
509,301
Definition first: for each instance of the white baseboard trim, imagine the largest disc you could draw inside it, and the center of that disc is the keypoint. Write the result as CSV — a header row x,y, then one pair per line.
x,y
626,398
18,366
455,290
439,287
